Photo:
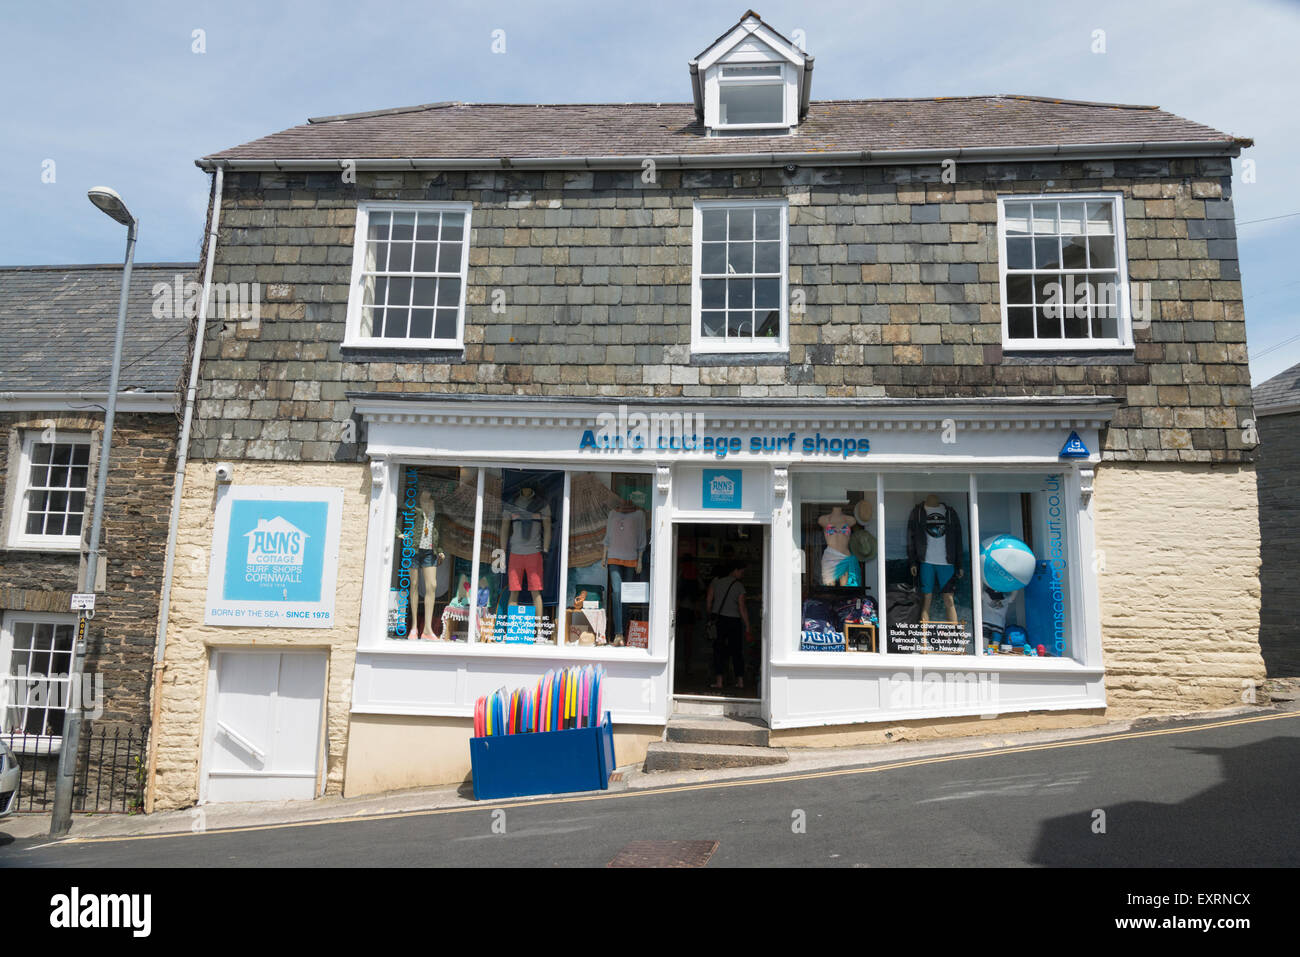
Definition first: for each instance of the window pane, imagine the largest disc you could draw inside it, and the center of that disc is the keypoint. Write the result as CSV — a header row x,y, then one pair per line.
x,y
740,257
62,454
767,293
453,227
1074,252
73,526
1047,253
449,259
423,291
426,257
448,292
78,478
403,226
421,323
767,257
427,226
1101,252
740,225
396,322
713,293
740,324
607,596
378,225
523,516
714,225
445,327
769,324
927,564
713,259
367,321
743,103
81,454
1020,290
1072,222
399,291
1044,218
1020,323
767,223
1105,327
1026,595
837,533
1048,326
740,293
711,324
1017,219
1100,218
41,452
1020,254
430,595
399,257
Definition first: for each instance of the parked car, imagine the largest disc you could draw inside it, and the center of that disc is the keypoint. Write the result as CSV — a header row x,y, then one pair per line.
x,y
9,772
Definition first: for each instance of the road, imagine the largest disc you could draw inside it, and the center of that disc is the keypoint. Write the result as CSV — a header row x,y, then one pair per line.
x,y
1210,794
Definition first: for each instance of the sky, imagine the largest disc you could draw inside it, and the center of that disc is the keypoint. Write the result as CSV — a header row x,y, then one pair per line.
x,y
119,94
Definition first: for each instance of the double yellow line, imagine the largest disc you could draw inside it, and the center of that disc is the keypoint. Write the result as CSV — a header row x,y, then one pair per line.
x,y
705,786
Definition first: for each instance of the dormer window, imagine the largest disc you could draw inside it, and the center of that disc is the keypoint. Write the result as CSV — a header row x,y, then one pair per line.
x,y
751,81
751,96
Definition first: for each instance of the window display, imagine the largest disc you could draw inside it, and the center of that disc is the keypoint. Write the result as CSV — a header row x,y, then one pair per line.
x,y
522,509
1025,565
429,593
837,524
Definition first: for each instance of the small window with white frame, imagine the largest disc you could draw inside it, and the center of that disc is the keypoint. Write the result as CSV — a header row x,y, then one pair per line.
x,y
35,660
410,263
751,96
1063,269
740,277
49,504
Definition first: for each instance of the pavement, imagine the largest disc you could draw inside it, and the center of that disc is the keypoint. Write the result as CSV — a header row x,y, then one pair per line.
x,y
805,763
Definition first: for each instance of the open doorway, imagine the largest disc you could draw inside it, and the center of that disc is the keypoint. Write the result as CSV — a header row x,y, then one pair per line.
x,y
728,559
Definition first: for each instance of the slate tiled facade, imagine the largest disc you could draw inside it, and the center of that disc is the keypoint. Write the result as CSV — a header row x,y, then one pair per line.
x,y
899,270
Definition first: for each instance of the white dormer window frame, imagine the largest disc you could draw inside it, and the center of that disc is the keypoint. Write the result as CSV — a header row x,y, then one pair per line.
x,y
750,57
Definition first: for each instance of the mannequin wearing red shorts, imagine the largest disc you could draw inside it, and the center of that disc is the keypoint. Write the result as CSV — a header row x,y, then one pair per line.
x,y
526,527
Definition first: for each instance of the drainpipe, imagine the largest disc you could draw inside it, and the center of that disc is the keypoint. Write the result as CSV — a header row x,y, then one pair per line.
x,y
178,488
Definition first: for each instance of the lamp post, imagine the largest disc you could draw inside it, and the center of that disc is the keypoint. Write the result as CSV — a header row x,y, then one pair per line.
x,y
111,204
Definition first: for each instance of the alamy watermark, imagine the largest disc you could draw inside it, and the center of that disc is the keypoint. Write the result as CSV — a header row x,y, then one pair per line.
x,y
180,299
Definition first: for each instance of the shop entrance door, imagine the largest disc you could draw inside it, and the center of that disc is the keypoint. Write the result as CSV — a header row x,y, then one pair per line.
x,y
704,555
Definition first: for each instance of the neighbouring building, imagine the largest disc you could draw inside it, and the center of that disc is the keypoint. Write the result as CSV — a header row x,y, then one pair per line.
x,y
57,325
529,379
1277,410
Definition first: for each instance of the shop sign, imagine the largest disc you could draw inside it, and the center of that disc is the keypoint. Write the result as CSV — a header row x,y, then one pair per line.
x,y
822,640
1074,448
722,488
274,557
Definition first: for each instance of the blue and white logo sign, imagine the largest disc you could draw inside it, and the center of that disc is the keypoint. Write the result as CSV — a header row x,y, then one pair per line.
x,y
275,557
722,488
1074,448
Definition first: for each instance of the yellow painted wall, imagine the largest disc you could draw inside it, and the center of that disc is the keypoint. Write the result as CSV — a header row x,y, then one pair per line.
x,y
183,687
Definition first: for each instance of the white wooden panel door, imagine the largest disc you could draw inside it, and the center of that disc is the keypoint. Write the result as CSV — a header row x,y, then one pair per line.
x,y
265,726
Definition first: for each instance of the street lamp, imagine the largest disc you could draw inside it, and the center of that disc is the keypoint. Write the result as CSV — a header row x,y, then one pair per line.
x,y
112,205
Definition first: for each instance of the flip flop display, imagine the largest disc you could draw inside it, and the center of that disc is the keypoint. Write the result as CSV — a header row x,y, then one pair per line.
x,y
561,700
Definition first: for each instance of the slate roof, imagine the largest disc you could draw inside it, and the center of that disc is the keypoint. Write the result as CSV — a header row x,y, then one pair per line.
x,y
57,325
1281,390
496,130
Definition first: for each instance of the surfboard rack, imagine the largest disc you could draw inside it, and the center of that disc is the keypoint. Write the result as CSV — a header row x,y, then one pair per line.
x,y
544,762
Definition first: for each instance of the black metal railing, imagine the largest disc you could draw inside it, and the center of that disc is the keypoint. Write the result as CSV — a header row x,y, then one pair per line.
x,y
110,771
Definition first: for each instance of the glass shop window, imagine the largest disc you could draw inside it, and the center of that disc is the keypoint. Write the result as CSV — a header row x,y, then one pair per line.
x,y
1025,565
839,583
429,592
519,586
607,597
928,596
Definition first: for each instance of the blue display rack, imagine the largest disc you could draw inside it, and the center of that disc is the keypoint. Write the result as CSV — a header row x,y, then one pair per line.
x,y
545,762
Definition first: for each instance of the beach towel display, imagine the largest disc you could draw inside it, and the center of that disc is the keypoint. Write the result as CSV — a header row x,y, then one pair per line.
x,y
562,699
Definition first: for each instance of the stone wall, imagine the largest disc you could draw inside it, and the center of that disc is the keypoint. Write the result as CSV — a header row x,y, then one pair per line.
x,y
122,636
899,271
1279,534
183,687
1178,577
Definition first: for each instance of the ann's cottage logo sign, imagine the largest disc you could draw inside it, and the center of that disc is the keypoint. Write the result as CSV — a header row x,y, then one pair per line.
x,y
277,542
722,488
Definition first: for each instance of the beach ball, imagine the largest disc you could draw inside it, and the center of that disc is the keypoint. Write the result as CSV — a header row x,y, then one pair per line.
x,y
1008,563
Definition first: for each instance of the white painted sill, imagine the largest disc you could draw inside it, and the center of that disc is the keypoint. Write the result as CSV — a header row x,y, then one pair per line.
x,y
481,649
860,660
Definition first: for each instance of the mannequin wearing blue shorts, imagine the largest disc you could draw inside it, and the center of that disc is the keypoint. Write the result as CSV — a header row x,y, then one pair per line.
x,y
934,551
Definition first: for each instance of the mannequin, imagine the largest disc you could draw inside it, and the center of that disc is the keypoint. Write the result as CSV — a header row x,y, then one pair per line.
x,y
934,550
424,567
838,566
526,531
625,540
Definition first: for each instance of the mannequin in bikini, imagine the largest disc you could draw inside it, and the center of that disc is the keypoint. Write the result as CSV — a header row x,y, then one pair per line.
x,y
838,566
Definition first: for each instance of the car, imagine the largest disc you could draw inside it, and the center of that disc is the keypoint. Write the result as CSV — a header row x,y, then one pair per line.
x,y
9,773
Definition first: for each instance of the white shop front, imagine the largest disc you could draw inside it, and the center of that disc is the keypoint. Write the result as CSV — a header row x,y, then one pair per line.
x,y
507,536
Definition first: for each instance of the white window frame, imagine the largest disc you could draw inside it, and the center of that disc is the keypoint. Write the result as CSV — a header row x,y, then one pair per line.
x,y
20,476
352,335
1124,319
701,345
29,743
779,81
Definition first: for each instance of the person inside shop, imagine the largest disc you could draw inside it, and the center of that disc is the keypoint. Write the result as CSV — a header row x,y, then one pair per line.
x,y
725,601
